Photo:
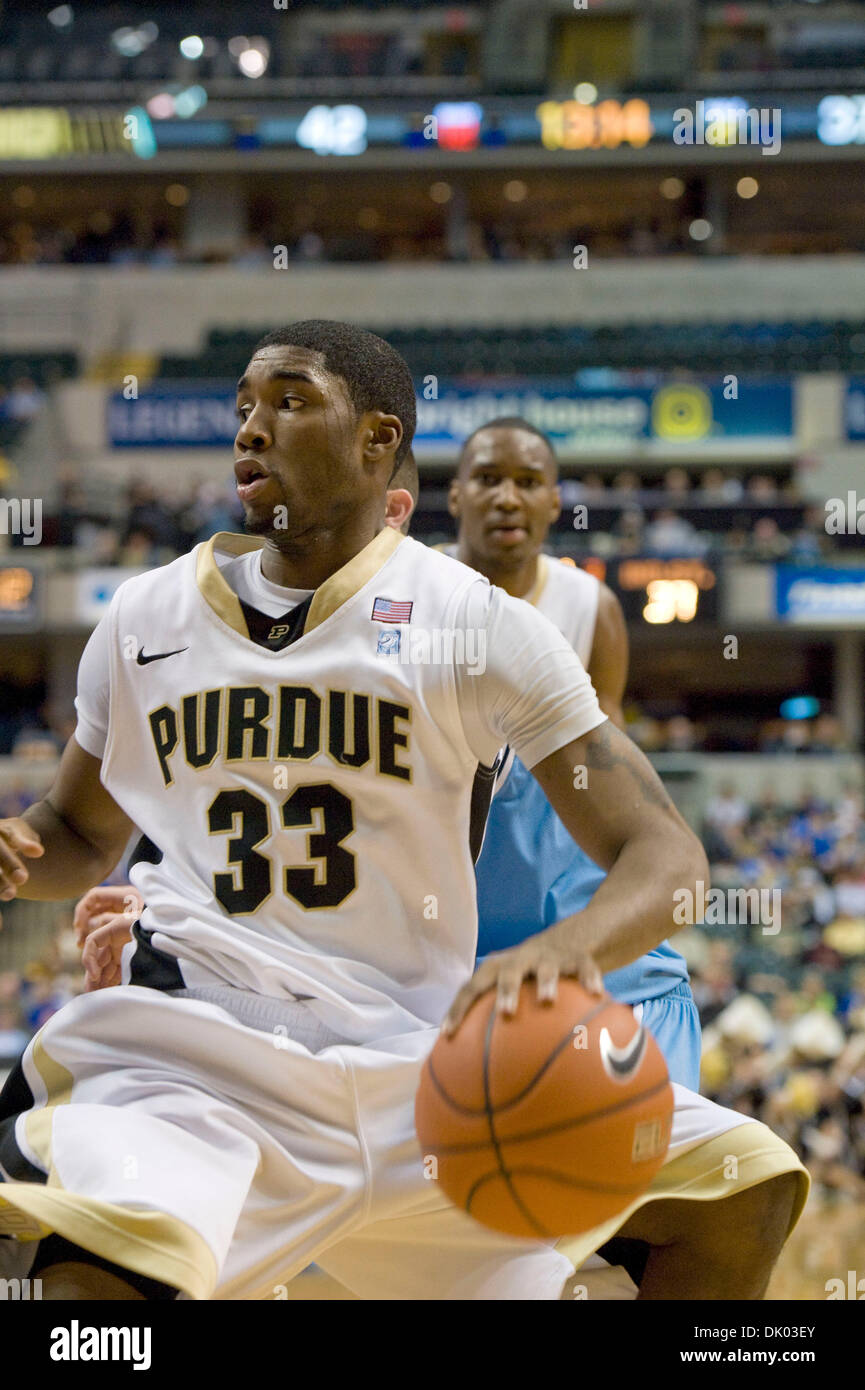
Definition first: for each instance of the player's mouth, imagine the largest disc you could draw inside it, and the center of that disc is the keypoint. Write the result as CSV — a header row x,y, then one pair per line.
x,y
509,534
252,477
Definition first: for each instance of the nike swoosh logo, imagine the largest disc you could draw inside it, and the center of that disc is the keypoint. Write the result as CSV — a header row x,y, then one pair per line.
x,y
620,1063
158,656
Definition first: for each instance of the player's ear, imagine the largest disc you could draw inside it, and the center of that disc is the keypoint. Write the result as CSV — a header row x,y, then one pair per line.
x,y
400,505
382,436
454,499
555,504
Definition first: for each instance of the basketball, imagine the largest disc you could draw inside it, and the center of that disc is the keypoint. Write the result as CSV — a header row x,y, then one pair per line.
x,y
548,1122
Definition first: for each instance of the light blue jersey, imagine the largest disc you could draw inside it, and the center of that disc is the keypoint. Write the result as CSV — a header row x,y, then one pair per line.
x,y
530,875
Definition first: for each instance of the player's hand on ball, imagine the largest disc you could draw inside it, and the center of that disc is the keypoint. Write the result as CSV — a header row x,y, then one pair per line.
x,y
18,841
505,972
102,905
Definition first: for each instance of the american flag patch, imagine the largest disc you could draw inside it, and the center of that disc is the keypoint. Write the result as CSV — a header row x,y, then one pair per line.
x,y
390,610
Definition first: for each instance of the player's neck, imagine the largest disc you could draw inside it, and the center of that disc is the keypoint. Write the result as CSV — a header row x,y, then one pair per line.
x,y
307,561
517,582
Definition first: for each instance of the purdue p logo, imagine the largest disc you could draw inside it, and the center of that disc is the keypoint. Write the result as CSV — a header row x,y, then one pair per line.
x,y
277,632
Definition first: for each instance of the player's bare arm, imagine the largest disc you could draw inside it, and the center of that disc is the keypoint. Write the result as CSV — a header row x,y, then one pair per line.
x,y
625,821
608,662
67,842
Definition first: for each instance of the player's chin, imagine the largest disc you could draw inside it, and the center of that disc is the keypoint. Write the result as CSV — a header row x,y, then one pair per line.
x,y
261,523
511,552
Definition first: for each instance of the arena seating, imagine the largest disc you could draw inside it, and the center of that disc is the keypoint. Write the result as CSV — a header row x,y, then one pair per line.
x,y
557,349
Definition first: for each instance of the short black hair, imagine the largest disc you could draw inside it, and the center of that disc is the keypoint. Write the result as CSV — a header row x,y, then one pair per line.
x,y
376,375
510,422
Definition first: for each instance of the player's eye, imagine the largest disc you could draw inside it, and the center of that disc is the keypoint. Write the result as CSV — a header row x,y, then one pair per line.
x,y
239,412
289,401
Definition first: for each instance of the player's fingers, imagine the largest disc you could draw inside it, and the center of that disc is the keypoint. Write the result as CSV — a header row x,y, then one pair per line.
x,y
459,1008
104,901
12,871
589,975
547,976
511,976
16,840
23,838
110,938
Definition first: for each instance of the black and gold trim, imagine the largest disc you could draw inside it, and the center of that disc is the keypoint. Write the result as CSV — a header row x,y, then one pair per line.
x,y
328,597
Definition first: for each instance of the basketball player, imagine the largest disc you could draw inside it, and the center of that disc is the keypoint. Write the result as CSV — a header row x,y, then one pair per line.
x,y
679,1246
308,804
530,873
104,917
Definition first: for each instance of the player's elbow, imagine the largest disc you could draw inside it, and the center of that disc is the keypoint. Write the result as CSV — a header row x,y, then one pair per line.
x,y
686,857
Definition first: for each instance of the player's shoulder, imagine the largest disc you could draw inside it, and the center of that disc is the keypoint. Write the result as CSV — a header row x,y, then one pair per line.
x,y
566,575
442,561
142,591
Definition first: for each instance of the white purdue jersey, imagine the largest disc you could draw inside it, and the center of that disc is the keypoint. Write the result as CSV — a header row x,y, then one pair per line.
x,y
568,596
565,594
310,814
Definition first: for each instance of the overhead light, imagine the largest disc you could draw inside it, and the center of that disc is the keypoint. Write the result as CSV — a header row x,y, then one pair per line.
x,y
441,192
585,93
700,229
131,42
672,188
161,107
177,194
192,46
747,188
252,62
190,100
239,44
61,16
515,190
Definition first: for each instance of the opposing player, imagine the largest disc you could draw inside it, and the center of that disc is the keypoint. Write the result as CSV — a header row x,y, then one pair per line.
x,y
243,1105
530,873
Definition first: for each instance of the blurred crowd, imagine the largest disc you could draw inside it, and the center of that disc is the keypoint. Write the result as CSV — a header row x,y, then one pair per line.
x,y
669,516
783,1012
21,400
105,241
684,516
151,525
821,735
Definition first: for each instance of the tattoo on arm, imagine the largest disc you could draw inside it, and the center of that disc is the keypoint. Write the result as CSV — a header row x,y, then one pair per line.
x,y
601,754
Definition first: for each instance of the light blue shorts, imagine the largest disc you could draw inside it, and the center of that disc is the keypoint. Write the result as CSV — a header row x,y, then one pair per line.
x,y
674,1023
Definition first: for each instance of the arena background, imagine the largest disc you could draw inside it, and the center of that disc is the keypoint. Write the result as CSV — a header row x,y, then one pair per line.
x,y
511,194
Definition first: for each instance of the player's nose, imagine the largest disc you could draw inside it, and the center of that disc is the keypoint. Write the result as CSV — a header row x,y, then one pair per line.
x,y
253,434
507,495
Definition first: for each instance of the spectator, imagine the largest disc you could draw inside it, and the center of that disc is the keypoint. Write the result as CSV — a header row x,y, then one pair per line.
x,y
24,400
767,542
669,534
